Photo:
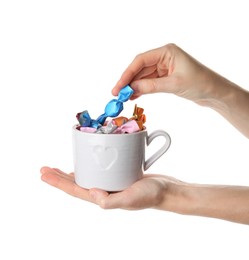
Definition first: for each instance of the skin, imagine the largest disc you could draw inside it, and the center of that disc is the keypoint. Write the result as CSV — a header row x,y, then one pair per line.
x,y
169,69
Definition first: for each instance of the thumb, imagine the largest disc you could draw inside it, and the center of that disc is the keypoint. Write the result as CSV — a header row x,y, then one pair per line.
x,y
154,85
97,195
109,200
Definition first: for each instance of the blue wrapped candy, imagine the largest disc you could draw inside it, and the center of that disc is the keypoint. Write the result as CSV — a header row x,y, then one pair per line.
x,y
115,106
84,118
112,109
86,121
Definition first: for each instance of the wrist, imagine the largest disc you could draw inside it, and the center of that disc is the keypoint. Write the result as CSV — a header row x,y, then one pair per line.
x,y
184,198
218,92
215,201
228,99
177,197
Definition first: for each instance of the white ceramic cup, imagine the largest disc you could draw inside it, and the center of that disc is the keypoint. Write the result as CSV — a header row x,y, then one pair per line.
x,y
113,162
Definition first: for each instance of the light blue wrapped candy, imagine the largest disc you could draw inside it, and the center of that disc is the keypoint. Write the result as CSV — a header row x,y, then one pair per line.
x,y
115,106
112,109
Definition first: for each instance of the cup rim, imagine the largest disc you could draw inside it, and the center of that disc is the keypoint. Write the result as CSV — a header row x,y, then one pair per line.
x,y
87,133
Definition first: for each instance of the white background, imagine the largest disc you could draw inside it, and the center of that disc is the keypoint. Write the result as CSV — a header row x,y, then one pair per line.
x,y
58,58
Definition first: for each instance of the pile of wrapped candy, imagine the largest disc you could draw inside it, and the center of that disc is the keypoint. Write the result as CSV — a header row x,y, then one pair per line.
x,y
116,125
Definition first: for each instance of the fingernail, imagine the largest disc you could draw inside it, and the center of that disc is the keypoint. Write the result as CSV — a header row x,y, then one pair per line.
x,y
44,169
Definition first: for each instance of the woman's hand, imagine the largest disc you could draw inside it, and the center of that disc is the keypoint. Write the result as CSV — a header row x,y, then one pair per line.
x,y
167,69
164,193
149,192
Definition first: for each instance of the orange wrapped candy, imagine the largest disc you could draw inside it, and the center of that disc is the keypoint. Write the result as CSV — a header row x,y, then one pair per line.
x,y
118,121
139,116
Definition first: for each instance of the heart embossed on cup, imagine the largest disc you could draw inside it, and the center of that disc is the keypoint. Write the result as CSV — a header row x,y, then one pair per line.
x,y
105,156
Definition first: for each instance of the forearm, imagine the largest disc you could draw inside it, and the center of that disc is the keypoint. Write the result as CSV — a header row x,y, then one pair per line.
x,y
231,101
223,202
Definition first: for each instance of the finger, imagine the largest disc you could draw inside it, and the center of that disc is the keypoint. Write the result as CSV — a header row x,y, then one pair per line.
x,y
144,86
155,85
147,59
154,74
111,201
134,96
146,72
44,169
152,84
69,176
66,185
57,171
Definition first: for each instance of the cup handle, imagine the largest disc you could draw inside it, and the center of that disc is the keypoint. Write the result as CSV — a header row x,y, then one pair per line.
x,y
161,151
